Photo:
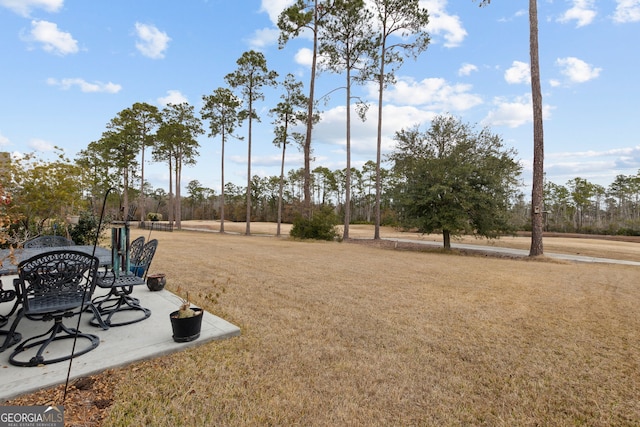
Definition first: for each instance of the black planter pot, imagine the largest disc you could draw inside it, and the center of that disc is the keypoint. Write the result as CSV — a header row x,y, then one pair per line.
x,y
188,328
156,282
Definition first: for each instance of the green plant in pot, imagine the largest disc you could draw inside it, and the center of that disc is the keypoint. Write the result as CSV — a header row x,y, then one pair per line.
x,y
186,322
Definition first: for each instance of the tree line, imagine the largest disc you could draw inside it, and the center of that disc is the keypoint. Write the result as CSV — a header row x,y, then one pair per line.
x,y
39,197
578,206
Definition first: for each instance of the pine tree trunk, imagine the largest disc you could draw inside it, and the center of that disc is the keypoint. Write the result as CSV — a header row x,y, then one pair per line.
x,y
143,200
307,141
171,198
222,189
538,137
281,185
376,232
347,191
248,220
178,199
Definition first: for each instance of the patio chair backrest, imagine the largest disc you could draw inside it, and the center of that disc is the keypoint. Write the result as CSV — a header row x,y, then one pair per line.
x,y
141,267
48,242
58,275
135,249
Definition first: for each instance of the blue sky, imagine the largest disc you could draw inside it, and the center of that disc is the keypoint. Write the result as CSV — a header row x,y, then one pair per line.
x,y
69,66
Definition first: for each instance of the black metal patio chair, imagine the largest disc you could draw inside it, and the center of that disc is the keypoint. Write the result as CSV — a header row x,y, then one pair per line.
x,y
112,306
54,285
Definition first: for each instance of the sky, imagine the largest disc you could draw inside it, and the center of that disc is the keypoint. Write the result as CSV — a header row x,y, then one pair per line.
x,y
69,66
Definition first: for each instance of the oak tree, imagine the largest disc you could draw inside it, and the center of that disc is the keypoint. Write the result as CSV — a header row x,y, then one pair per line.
x,y
454,180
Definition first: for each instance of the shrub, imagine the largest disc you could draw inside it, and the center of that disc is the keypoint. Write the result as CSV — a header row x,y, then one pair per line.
x,y
84,233
154,216
322,226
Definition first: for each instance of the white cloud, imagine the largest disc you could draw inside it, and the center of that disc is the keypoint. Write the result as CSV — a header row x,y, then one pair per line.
x,y
443,24
174,97
332,127
53,40
616,152
467,69
41,145
513,113
152,42
84,85
518,73
593,165
304,57
24,7
583,12
433,93
4,141
518,14
274,7
264,37
627,11
577,70
259,161
510,114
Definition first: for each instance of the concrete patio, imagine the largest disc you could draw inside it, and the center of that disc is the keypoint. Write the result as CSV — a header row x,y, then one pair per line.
x,y
119,346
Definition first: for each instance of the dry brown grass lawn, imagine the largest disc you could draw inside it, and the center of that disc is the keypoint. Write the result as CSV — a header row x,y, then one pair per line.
x,y
625,248
344,334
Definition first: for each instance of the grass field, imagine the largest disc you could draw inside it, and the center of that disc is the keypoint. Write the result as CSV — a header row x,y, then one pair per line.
x,y
345,334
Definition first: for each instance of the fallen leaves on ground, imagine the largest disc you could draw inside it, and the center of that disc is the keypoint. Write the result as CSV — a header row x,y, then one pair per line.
x,y
87,400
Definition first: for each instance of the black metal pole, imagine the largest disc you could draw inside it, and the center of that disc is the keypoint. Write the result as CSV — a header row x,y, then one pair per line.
x,y
75,337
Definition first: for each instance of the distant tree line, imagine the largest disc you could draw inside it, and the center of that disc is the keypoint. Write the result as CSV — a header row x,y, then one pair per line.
x,y
578,206
43,197
583,207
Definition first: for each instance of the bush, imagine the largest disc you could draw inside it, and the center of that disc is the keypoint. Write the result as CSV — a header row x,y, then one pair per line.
x,y
84,233
322,226
624,231
154,216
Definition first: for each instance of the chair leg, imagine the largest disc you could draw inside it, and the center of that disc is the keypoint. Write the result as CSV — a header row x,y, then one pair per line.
x,y
118,300
97,319
122,304
12,337
59,331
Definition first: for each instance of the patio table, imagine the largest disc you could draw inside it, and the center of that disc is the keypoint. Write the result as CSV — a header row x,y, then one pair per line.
x,y
7,268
